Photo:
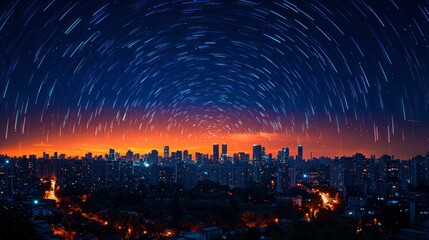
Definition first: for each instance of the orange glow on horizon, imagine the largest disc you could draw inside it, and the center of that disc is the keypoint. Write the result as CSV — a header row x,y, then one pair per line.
x,y
79,144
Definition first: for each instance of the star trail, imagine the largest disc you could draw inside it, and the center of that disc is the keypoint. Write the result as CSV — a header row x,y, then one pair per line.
x,y
335,76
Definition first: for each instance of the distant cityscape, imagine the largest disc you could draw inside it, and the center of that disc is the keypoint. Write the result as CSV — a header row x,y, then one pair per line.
x,y
358,188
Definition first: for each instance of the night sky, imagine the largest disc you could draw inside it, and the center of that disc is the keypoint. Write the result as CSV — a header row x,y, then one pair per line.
x,y
336,76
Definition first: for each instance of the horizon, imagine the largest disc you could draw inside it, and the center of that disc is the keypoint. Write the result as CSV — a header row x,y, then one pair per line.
x,y
143,151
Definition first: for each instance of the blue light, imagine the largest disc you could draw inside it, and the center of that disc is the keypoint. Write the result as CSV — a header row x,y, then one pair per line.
x,y
36,202
7,161
305,175
146,164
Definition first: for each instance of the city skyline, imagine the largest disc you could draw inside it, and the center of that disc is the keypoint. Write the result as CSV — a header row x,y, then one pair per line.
x,y
244,145
214,119
337,77
166,152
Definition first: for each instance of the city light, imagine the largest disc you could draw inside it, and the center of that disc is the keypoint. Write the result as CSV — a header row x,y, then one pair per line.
x,y
50,194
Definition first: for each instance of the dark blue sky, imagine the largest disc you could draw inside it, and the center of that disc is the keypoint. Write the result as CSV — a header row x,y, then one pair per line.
x,y
350,70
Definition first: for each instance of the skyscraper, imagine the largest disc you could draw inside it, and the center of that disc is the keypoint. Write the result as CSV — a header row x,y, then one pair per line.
x,y
179,155
256,162
257,153
166,152
300,155
186,155
129,155
111,154
154,156
419,171
216,152
285,154
88,155
224,151
336,178
198,157
359,161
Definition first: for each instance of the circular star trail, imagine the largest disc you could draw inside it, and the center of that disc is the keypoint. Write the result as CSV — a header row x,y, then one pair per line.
x,y
337,76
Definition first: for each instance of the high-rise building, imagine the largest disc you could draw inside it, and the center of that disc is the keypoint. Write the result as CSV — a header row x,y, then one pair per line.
x,y
359,161
186,155
257,153
383,166
190,176
257,163
239,174
348,166
111,154
241,157
154,156
336,179
420,171
300,155
125,171
284,155
87,169
88,155
224,152
129,155
166,152
179,155
216,152
292,176
198,157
